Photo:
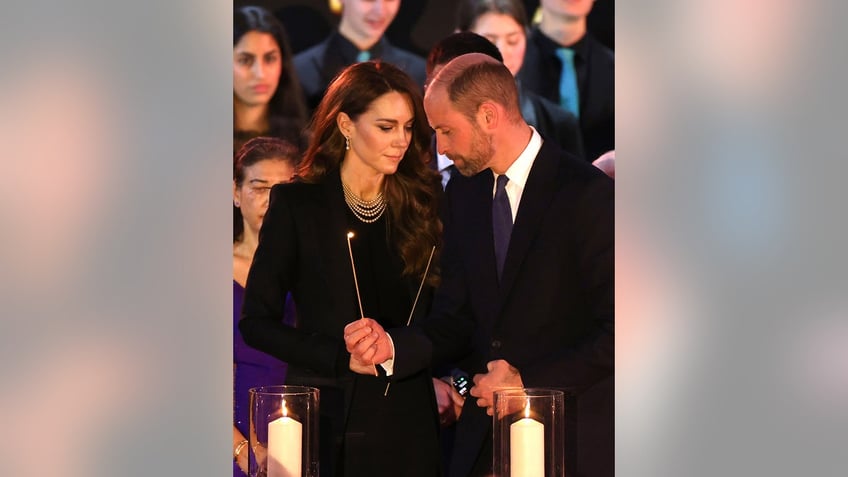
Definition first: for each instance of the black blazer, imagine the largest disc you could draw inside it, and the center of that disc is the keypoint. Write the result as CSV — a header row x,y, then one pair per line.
x,y
552,315
540,73
551,121
317,66
303,249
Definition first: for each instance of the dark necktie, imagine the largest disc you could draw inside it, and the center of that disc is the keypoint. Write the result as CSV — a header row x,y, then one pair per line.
x,y
501,222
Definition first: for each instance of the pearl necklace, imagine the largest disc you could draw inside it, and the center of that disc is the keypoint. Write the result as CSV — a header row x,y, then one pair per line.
x,y
368,211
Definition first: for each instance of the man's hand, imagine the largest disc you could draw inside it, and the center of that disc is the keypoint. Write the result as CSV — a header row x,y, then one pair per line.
x,y
367,343
449,401
501,375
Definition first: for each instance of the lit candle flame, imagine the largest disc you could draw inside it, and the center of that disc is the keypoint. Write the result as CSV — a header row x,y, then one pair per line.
x,y
285,411
527,409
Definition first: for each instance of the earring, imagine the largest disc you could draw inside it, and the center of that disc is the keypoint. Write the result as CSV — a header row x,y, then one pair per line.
x,y
347,143
237,203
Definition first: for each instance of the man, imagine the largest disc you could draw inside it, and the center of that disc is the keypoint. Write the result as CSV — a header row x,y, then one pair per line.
x,y
360,37
527,271
564,63
551,121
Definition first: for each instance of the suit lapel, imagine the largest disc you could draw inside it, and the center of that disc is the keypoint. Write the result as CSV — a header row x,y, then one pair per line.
x,y
537,194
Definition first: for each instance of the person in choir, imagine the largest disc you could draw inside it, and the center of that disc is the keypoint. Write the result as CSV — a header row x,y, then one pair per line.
x,y
564,63
360,37
527,272
504,23
267,97
363,173
260,164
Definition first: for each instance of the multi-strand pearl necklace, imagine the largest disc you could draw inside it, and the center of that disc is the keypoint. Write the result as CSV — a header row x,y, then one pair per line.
x,y
368,211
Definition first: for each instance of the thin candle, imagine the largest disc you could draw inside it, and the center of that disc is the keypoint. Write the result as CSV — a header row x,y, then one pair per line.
x,y
412,311
355,282
350,235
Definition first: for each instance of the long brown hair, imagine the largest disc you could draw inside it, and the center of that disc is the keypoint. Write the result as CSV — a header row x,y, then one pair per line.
x,y
413,190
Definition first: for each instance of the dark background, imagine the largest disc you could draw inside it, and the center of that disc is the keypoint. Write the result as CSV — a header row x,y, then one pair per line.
x,y
418,25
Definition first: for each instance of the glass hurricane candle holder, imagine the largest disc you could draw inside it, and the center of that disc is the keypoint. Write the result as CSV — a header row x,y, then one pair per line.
x,y
529,433
283,431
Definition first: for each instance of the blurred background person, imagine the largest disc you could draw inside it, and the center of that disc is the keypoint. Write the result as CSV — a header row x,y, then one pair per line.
x,y
504,23
267,97
363,172
260,164
360,37
564,63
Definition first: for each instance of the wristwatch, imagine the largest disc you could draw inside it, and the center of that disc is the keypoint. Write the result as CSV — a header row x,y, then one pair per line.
x,y
459,381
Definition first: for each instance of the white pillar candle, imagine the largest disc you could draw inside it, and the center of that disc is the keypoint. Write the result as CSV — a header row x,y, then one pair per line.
x,y
527,447
284,446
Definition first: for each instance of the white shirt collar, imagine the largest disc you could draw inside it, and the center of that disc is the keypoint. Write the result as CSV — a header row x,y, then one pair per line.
x,y
518,172
443,162
520,169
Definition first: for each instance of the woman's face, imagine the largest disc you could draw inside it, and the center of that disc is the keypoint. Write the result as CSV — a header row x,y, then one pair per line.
x,y
257,64
252,195
369,18
507,34
380,136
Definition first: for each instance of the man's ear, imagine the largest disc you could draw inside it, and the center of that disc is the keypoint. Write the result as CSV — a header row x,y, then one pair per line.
x,y
488,115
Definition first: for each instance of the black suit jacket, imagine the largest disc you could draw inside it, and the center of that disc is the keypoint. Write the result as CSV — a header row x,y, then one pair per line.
x,y
303,249
551,121
540,73
317,66
552,316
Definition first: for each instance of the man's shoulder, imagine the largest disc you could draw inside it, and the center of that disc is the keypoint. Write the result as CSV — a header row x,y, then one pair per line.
x,y
599,52
307,57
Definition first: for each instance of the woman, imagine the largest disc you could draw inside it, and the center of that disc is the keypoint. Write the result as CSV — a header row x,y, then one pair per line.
x,y
261,163
363,172
359,37
504,23
267,98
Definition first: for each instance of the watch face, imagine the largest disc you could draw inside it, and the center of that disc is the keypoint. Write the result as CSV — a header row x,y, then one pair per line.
x,y
460,383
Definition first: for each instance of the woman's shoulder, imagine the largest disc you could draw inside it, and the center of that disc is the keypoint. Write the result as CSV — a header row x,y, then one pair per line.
x,y
298,192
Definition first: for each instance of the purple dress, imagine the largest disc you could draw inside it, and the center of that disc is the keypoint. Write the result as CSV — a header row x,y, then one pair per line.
x,y
251,368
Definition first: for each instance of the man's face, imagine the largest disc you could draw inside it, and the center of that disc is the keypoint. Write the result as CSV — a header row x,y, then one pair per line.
x,y
457,137
568,8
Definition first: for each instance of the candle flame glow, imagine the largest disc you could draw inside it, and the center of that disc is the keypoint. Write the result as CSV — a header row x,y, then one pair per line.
x,y
285,411
350,235
527,409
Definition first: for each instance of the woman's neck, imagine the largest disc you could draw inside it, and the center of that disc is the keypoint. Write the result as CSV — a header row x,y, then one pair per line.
x,y
365,182
243,252
250,117
246,247
564,30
